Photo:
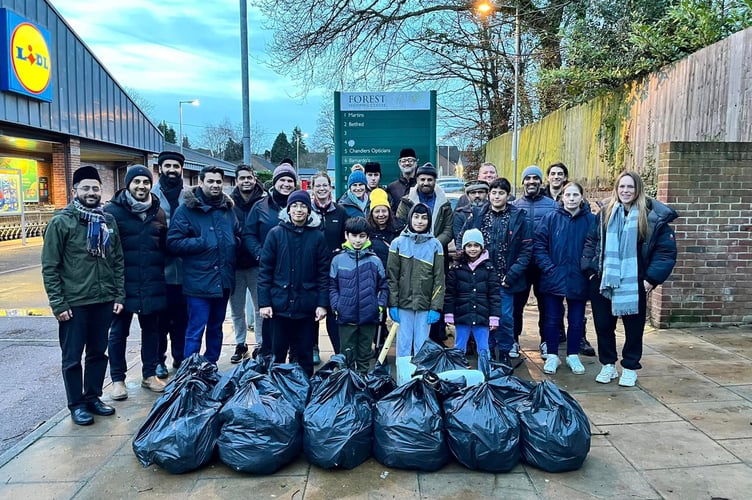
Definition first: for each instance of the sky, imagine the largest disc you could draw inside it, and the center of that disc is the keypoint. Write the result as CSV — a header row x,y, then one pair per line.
x,y
170,50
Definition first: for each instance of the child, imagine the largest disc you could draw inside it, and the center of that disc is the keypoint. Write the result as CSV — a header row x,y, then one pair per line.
x,y
357,292
472,297
415,272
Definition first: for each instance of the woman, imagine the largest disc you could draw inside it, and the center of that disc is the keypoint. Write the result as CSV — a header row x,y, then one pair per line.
x,y
559,241
629,250
355,200
333,218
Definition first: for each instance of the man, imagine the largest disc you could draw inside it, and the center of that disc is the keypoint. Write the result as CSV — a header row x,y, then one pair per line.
x,y
558,175
247,193
408,162
174,319
427,192
82,269
206,233
486,173
143,226
476,192
536,205
293,284
373,175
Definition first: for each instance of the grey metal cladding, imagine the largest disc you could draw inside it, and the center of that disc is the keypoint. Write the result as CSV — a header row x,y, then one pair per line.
x,y
87,102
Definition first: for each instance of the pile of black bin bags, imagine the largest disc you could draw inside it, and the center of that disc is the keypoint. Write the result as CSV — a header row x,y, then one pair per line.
x,y
259,416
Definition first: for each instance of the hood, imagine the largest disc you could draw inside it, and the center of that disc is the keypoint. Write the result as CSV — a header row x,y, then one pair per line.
x,y
410,218
662,212
366,250
191,199
441,198
314,219
256,194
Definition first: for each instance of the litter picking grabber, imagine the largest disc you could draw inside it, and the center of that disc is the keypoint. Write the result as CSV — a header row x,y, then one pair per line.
x,y
388,343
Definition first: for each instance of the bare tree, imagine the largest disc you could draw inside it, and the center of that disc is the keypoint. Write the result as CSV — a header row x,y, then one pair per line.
x,y
323,138
144,104
259,138
214,138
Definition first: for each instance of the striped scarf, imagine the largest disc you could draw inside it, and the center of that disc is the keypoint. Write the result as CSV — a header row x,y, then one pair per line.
x,y
97,234
619,283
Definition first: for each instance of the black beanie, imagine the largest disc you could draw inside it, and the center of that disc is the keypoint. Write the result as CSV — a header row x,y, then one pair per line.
x,y
300,196
135,171
408,153
170,155
373,167
86,172
427,169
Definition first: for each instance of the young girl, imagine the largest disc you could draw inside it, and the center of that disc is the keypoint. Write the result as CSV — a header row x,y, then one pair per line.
x,y
559,240
415,273
472,298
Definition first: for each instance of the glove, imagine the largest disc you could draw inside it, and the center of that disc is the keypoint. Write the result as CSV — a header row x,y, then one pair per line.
x,y
433,317
493,322
381,310
394,314
449,318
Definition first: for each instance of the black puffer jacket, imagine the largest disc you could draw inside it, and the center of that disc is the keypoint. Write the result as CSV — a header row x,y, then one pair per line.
x,y
473,295
242,208
333,219
263,217
143,243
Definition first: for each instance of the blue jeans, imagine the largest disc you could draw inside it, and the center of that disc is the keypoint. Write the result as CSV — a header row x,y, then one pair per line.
x,y
413,332
503,336
554,306
479,333
119,329
205,314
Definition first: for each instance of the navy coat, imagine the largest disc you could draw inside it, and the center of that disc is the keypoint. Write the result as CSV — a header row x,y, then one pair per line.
x,y
357,286
559,241
263,217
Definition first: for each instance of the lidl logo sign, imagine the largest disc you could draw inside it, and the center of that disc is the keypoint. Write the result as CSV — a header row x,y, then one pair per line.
x,y
27,63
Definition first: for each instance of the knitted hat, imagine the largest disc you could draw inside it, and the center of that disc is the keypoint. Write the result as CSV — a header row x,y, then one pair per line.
x,y
379,198
473,236
373,167
427,169
532,170
355,178
299,196
476,185
170,155
87,172
284,170
408,153
135,171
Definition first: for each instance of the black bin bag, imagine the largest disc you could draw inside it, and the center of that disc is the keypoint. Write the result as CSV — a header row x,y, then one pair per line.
x,y
513,391
434,358
194,367
555,431
408,429
380,381
181,430
261,430
338,422
292,382
230,382
482,432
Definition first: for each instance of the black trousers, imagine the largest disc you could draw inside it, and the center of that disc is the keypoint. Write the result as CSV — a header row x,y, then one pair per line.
x,y
119,330
172,322
520,301
296,335
605,328
85,331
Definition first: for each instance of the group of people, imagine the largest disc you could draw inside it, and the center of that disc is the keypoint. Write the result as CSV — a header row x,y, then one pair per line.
x,y
176,256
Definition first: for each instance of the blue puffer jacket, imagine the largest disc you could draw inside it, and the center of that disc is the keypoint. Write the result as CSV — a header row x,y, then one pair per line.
x,y
559,241
357,286
207,237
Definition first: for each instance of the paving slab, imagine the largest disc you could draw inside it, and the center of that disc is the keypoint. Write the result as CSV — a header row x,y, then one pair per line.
x,y
660,364
218,470
729,372
689,388
293,487
634,406
735,341
469,484
665,445
744,391
720,419
696,350
41,491
742,448
714,482
368,480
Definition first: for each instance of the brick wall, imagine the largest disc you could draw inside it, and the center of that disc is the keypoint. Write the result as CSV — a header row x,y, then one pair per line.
x,y
710,185
65,159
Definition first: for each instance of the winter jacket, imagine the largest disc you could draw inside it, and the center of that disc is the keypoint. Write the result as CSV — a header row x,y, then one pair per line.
x,y
294,269
351,208
72,276
415,272
536,207
242,208
382,238
333,223
262,218
173,263
656,255
357,286
398,189
519,239
472,294
442,215
144,249
559,241
206,237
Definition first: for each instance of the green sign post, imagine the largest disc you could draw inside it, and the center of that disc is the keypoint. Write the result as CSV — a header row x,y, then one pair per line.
x,y
375,126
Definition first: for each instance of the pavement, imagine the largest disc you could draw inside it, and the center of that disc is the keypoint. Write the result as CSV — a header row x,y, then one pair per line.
x,y
685,431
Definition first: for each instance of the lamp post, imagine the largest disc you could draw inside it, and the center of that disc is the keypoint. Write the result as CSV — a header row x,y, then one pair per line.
x,y
297,151
180,107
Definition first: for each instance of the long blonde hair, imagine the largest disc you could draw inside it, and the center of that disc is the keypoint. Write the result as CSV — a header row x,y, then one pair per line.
x,y
640,202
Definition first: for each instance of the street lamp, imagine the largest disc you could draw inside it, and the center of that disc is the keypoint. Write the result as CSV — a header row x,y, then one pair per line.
x,y
180,106
297,150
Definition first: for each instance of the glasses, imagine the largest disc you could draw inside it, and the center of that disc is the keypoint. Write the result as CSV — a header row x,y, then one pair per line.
x,y
407,161
86,189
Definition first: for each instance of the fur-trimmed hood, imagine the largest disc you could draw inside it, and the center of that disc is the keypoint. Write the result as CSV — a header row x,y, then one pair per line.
x,y
192,200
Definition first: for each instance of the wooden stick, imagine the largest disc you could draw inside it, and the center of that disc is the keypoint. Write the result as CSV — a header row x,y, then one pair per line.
x,y
388,343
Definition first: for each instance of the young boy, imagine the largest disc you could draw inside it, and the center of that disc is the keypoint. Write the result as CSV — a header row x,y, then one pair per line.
x,y
357,292
415,272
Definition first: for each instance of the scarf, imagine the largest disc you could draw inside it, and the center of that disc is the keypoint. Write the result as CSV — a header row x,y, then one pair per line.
x,y
278,198
138,207
97,234
619,283
323,208
171,187
427,199
212,201
361,204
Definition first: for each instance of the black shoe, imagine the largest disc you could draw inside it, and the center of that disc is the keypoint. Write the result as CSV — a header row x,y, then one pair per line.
x,y
175,364
585,348
241,352
162,371
81,417
97,407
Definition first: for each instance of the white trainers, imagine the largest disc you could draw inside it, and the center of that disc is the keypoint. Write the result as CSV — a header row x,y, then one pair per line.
x,y
574,363
543,350
628,378
514,352
551,364
607,374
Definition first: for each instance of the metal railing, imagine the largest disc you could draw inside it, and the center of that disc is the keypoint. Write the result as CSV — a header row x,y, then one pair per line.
x,y
36,222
